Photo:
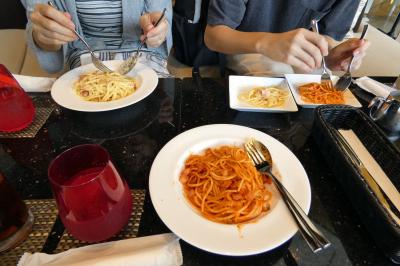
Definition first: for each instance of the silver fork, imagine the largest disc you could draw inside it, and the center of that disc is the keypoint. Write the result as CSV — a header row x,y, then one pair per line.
x,y
258,153
325,77
130,63
345,80
96,61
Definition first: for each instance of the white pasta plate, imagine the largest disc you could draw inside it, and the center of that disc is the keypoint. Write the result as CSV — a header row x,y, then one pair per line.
x,y
264,234
64,94
240,84
296,80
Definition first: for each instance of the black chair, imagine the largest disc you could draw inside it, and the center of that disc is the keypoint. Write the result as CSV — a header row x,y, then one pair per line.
x,y
12,15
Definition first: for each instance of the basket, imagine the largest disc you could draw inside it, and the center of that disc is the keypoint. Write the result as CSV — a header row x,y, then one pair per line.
x,y
384,230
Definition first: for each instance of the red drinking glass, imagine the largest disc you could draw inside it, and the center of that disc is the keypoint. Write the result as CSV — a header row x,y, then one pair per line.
x,y
16,219
16,107
93,201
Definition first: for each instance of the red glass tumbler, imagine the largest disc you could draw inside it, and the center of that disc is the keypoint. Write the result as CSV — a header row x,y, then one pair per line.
x,y
16,220
94,202
16,107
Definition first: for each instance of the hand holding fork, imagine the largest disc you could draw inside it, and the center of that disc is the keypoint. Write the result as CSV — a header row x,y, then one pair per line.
x,y
130,63
345,80
325,77
95,60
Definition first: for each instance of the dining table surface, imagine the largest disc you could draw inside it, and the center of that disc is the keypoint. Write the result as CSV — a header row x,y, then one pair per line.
x,y
135,134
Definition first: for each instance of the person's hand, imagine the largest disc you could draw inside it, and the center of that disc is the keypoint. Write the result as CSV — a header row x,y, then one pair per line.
x,y
339,57
155,35
300,48
51,28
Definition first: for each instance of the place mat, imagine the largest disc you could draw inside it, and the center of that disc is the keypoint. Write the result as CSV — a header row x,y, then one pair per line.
x,y
44,213
43,107
130,231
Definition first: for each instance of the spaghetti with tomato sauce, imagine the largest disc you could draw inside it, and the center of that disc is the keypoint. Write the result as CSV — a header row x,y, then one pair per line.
x,y
224,186
320,94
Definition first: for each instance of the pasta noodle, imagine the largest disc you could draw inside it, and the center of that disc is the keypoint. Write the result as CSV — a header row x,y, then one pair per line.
x,y
104,87
264,97
317,93
224,186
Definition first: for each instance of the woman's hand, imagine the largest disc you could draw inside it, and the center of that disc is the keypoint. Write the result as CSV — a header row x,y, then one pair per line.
x,y
51,28
339,57
155,35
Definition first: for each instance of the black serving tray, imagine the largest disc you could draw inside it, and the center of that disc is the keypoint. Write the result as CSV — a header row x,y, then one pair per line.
x,y
384,230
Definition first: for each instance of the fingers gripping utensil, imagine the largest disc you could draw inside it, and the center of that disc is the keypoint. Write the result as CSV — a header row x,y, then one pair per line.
x,y
325,77
345,80
262,160
96,61
130,63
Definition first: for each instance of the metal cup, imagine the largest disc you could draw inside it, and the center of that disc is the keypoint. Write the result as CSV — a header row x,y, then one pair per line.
x,y
386,111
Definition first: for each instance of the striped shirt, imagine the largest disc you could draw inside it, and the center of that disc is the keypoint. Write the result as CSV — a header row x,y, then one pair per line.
x,y
102,20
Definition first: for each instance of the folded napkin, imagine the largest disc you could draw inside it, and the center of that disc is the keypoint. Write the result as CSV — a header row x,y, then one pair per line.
x,y
152,250
377,173
374,87
34,84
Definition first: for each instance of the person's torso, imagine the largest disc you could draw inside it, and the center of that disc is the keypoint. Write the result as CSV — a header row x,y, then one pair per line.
x,y
111,27
101,19
126,26
281,16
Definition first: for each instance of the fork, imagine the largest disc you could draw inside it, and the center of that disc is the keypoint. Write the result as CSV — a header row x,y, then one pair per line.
x,y
325,77
345,80
130,63
314,238
96,61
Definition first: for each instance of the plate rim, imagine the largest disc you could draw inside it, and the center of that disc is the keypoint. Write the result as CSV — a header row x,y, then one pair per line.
x,y
112,104
232,93
154,198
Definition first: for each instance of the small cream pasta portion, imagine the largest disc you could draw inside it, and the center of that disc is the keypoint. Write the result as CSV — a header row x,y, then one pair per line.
x,y
264,97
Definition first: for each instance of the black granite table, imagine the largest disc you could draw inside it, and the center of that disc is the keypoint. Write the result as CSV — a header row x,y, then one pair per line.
x,y
135,134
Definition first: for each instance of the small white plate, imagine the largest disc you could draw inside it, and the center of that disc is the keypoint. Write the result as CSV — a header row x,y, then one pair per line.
x,y
64,94
268,232
238,84
296,80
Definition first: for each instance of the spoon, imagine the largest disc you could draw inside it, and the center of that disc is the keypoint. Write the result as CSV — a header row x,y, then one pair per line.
x,y
130,63
262,160
345,80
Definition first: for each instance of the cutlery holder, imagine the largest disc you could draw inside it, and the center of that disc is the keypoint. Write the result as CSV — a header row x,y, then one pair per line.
x,y
377,221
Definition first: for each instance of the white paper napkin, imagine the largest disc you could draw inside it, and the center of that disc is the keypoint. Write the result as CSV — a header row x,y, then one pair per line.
x,y
374,87
374,169
157,250
34,84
